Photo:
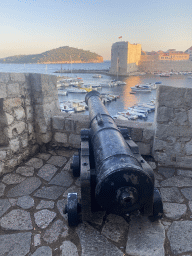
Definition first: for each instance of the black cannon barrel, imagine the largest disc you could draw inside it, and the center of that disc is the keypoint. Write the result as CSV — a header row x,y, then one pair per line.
x,y
121,183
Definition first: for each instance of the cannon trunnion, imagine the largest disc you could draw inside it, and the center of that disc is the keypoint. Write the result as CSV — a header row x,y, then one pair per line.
x,y
114,176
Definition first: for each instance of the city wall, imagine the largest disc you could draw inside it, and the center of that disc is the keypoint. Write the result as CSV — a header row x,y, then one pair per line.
x,y
30,120
152,64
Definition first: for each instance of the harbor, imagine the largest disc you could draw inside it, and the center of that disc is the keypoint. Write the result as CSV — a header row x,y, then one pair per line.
x,y
102,82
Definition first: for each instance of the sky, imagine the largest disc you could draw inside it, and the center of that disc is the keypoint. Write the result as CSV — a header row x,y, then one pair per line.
x,y
36,26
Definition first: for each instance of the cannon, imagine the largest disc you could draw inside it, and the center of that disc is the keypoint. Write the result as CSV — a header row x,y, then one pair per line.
x,y
114,176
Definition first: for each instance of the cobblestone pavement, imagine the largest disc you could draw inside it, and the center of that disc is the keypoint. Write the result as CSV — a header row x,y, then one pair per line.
x,y
32,221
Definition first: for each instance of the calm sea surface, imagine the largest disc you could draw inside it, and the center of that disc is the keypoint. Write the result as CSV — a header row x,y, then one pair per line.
x,y
126,99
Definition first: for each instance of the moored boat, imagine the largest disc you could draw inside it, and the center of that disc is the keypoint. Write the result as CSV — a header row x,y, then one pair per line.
x,y
97,76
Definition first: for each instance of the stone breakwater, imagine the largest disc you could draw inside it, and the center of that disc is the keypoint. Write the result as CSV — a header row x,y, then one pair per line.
x,y
32,222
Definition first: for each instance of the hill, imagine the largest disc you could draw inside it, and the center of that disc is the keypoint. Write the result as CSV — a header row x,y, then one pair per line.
x,y
64,54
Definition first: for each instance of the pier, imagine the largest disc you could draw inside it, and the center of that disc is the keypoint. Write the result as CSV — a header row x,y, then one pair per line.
x,y
90,71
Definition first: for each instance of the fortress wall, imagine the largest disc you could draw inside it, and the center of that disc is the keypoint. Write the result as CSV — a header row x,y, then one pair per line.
x,y
134,53
154,65
173,127
27,102
119,58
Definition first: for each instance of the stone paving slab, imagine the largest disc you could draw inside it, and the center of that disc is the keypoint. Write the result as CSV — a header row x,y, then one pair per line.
x,y
15,244
32,221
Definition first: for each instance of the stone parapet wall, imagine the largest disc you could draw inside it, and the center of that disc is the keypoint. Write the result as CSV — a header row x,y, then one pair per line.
x,y
173,127
27,102
67,128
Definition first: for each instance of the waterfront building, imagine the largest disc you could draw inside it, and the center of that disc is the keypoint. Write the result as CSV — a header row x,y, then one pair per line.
x,y
173,55
189,51
125,58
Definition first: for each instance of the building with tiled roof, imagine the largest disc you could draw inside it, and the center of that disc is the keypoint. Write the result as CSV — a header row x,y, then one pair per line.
x,y
189,51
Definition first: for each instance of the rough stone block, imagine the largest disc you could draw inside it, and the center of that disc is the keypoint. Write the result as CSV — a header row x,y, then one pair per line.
x,y
11,103
186,173
15,129
30,127
4,77
144,149
162,159
172,130
9,118
75,140
12,163
14,144
58,122
136,134
188,148
188,97
83,123
46,137
184,162
190,116
3,90
19,113
181,118
168,94
1,167
159,145
24,140
3,155
18,77
148,135
164,114
13,89
70,125
60,137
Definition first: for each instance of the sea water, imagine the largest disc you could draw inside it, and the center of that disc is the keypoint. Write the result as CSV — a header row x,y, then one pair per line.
x,y
126,99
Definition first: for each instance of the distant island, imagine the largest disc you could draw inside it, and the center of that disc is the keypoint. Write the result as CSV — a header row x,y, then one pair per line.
x,y
64,54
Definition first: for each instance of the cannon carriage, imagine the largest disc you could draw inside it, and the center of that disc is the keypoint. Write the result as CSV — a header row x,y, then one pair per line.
x,y
114,176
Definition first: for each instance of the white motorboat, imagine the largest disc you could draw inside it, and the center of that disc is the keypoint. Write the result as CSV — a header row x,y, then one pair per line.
x,y
141,89
97,76
76,90
117,83
62,92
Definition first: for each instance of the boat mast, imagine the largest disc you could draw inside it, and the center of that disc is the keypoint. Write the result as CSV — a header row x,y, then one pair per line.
x,y
71,64
117,67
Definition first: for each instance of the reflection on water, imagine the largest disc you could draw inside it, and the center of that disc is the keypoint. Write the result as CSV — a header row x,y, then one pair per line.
x,y
130,99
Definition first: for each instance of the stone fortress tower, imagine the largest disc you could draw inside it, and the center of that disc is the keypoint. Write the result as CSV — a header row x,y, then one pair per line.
x,y
125,58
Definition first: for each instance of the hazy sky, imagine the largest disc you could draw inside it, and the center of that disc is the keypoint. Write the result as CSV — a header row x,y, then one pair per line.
x,y
35,26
